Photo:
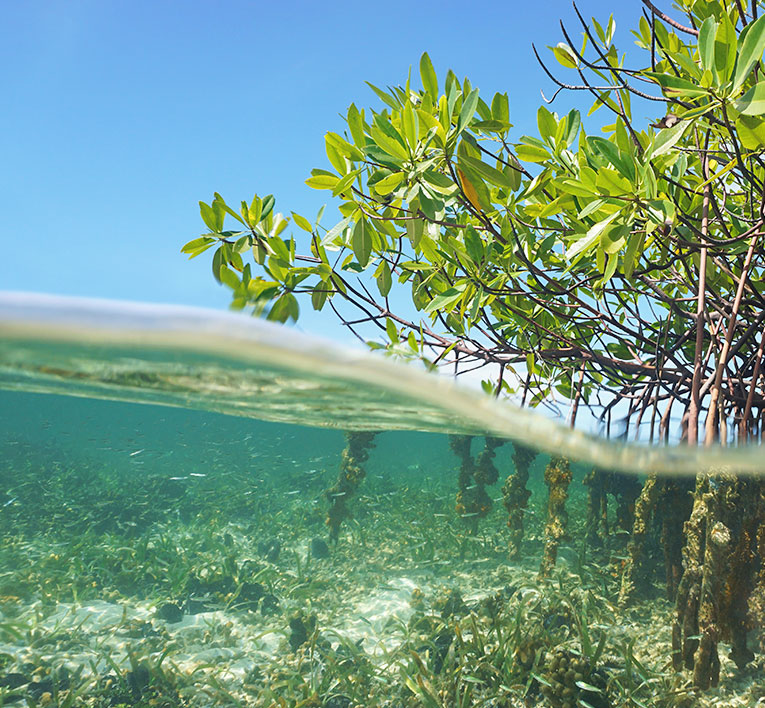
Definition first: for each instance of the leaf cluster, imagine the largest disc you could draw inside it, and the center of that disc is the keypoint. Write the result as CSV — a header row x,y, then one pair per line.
x,y
568,258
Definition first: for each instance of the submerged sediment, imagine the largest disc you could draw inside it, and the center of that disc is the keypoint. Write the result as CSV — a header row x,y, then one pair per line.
x,y
216,586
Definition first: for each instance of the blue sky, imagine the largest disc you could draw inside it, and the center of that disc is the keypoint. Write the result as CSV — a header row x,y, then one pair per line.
x,y
119,116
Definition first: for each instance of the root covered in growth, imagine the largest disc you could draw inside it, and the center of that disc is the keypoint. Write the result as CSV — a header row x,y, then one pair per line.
x,y
352,472
474,476
557,478
515,497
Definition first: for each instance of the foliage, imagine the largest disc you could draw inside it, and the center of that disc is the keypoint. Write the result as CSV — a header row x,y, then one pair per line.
x,y
603,268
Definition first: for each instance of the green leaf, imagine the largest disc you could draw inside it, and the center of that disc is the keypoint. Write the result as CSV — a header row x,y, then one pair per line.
x,y
268,206
531,153
568,129
707,43
428,76
546,123
590,207
514,172
752,103
388,139
384,280
474,245
335,231
345,182
751,132
198,245
322,181
254,210
489,173
414,229
410,125
675,86
635,243
565,56
219,200
446,299
467,112
284,308
319,295
614,238
229,278
491,126
751,46
302,222
390,330
356,125
611,182
384,97
500,108
624,164
441,183
725,49
432,208
361,241
279,248
579,188
217,262
590,239
344,147
387,184
667,138
259,252
212,216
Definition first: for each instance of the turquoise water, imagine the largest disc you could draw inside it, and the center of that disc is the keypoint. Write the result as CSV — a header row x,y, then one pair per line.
x,y
192,514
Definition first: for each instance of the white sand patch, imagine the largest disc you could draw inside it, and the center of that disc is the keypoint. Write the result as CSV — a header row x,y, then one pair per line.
x,y
95,616
371,619
98,634
239,644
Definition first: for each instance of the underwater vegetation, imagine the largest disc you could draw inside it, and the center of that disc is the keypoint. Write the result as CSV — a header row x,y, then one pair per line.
x,y
219,588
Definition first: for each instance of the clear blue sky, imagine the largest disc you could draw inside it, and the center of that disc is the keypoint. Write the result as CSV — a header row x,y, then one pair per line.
x,y
119,116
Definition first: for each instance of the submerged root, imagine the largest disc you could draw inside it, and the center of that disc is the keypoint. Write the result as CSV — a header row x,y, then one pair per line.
x,y
673,508
625,489
596,524
515,497
633,568
717,596
352,472
663,502
557,478
473,502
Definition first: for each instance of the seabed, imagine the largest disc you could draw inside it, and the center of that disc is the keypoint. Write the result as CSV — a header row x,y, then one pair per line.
x,y
217,584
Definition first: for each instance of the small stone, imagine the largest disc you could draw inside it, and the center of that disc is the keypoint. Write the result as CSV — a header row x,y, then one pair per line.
x,y
170,613
138,680
37,688
269,604
319,548
13,680
251,592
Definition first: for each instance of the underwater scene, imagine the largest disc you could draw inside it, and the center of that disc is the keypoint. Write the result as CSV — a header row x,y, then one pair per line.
x,y
181,525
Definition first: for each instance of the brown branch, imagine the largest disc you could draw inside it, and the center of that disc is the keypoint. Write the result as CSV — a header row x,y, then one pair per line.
x,y
655,10
723,357
695,403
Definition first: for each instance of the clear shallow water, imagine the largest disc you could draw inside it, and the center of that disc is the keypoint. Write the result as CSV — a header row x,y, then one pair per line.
x,y
232,364
180,552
